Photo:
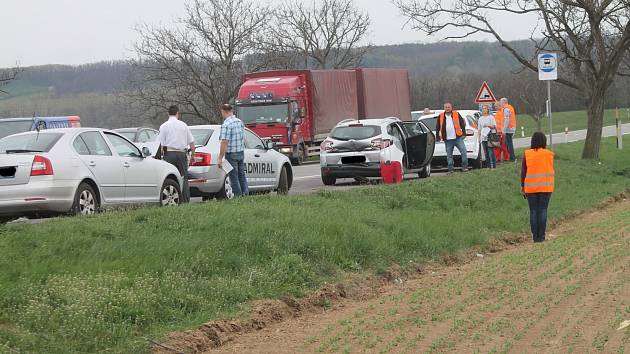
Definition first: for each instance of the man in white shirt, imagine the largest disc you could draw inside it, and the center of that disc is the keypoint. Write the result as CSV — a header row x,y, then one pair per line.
x,y
451,128
175,137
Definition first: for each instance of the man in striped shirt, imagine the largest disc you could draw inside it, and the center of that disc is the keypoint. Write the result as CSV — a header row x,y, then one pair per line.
x,y
233,149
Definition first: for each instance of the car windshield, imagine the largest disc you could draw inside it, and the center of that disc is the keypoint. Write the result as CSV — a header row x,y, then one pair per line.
x,y
355,132
272,113
430,122
13,127
201,136
416,115
41,142
129,135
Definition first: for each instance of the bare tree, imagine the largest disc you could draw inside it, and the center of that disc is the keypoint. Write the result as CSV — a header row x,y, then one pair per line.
x,y
592,38
8,75
328,34
532,95
197,64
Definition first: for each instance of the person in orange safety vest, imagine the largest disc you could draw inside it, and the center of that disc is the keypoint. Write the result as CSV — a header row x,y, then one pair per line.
x,y
509,126
538,183
450,127
501,153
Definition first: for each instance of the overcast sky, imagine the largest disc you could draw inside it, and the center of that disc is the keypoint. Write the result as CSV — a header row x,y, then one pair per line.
x,y
82,31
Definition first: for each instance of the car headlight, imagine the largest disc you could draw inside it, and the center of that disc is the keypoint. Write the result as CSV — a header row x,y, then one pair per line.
x,y
286,150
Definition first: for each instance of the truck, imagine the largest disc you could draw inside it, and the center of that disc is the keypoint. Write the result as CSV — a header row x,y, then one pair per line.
x,y
296,109
10,126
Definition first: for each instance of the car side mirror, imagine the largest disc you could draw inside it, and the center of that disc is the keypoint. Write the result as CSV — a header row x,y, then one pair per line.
x,y
146,152
269,144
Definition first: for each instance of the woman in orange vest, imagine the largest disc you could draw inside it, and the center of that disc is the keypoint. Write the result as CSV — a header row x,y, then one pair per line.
x,y
537,183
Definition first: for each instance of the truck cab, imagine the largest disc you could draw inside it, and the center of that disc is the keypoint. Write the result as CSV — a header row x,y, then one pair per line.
x,y
274,107
10,126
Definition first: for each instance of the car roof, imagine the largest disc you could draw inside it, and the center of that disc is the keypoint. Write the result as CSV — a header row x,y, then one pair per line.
x,y
372,121
132,129
206,126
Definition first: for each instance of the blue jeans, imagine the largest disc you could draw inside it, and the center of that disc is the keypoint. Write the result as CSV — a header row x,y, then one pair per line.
x,y
538,204
491,160
509,142
450,146
237,175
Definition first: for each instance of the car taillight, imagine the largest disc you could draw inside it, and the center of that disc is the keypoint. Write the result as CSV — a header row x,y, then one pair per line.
x,y
201,159
326,145
41,166
381,143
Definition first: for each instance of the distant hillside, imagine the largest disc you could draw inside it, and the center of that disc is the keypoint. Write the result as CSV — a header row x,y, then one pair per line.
x,y
420,59
439,71
454,57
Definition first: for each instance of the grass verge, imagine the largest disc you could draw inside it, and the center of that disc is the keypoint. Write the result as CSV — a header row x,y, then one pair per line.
x,y
575,120
105,283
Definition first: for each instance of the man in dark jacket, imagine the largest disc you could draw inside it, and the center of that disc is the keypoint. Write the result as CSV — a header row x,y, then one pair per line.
x,y
451,128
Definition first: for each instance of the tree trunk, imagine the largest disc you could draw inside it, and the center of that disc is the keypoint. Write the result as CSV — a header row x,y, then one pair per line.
x,y
595,112
539,123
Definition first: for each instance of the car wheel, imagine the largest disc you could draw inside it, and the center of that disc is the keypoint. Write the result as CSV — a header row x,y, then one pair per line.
x,y
283,184
85,201
328,180
170,194
226,192
425,172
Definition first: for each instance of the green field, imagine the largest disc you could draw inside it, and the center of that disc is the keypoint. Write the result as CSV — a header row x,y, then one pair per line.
x,y
107,282
575,120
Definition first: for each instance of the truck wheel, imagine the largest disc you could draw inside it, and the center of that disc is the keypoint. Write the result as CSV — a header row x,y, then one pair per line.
x,y
85,201
302,156
283,184
425,172
328,180
226,192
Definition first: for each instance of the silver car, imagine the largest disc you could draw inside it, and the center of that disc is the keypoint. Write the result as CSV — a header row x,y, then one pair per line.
x,y
266,169
80,171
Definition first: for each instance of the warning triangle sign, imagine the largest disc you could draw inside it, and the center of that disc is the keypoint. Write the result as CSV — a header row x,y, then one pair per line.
x,y
485,95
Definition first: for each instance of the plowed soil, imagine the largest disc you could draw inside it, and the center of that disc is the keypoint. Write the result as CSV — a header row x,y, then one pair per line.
x,y
568,294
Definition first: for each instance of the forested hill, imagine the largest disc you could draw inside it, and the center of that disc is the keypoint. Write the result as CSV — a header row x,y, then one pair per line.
x,y
420,59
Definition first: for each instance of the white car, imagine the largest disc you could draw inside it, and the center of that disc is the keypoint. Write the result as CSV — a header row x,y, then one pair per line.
x,y
79,171
266,169
472,140
142,137
356,148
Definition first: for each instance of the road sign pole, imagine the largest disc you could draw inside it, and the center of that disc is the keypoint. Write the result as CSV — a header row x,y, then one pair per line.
x,y
549,114
618,127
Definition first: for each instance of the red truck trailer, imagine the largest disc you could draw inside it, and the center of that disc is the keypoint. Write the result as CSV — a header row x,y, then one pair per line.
x,y
298,108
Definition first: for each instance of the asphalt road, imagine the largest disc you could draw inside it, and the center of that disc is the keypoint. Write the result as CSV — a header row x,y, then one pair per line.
x,y
307,178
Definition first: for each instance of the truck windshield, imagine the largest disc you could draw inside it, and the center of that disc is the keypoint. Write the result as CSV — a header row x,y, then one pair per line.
x,y
357,132
271,113
13,127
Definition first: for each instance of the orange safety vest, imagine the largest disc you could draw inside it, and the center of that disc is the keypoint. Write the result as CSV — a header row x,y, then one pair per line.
x,y
455,117
512,116
540,176
499,117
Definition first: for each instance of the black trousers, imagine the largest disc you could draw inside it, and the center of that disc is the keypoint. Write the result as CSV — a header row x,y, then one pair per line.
x,y
538,204
180,160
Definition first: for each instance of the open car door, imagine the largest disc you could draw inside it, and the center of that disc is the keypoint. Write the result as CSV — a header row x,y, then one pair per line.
x,y
419,144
